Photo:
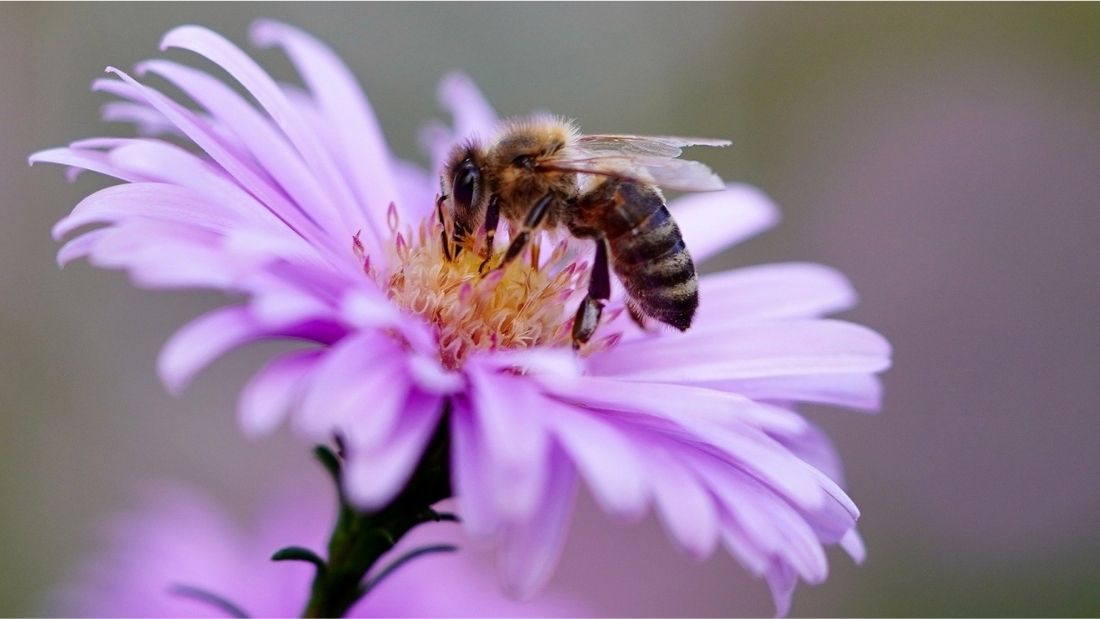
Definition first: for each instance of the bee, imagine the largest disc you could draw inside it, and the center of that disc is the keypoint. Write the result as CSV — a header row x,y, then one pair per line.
x,y
542,173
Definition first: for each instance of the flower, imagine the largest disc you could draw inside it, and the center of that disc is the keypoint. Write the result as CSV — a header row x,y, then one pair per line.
x,y
298,207
161,557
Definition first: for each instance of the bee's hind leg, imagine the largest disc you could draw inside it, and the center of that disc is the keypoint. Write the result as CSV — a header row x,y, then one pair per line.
x,y
599,291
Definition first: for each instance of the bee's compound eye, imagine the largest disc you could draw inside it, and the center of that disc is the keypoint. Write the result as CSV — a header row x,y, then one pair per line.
x,y
466,180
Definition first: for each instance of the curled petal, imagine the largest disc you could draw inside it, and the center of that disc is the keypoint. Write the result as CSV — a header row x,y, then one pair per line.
x,y
268,396
202,341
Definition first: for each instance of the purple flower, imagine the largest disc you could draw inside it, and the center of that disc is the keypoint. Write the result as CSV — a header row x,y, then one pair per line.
x,y
298,207
159,555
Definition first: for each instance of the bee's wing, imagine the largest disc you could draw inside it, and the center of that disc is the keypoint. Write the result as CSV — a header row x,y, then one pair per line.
x,y
641,158
645,145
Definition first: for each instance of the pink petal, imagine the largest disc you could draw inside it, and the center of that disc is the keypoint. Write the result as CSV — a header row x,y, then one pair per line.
x,y
532,549
263,141
684,504
202,340
80,246
146,120
470,472
862,392
768,519
781,580
341,100
748,350
357,389
376,474
153,201
669,401
509,420
711,222
268,396
605,458
205,137
93,161
473,116
773,291
852,543
260,85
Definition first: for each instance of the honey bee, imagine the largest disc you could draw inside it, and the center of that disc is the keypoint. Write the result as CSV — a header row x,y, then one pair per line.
x,y
542,173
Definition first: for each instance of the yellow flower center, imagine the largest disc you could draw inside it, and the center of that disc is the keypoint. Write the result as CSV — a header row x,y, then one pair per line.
x,y
526,304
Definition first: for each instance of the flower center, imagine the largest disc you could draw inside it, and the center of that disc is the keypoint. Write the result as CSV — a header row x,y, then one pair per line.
x,y
526,304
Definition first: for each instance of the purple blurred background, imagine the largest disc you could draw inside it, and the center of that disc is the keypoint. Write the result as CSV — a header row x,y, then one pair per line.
x,y
945,157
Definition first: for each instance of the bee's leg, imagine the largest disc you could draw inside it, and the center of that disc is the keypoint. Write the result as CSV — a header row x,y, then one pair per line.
x,y
492,217
530,223
443,233
599,291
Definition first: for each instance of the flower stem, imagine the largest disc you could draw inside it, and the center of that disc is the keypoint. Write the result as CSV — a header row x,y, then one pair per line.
x,y
360,539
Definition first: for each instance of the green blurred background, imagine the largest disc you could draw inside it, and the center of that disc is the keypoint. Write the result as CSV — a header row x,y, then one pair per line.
x,y
945,156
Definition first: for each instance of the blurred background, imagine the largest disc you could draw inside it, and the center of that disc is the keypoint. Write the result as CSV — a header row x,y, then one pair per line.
x,y
946,157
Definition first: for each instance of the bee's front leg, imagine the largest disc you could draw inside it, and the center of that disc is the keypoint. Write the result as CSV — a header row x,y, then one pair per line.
x,y
492,218
443,225
599,291
530,223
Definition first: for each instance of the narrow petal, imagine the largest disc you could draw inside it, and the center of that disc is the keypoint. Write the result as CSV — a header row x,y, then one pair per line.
x,y
670,401
852,543
163,162
711,222
376,474
772,292
605,458
258,83
862,392
154,201
509,418
768,519
532,549
470,472
207,139
262,139
93,161
749,350
342,102
271,392
203,340
781,580
684,504
80,246
360,378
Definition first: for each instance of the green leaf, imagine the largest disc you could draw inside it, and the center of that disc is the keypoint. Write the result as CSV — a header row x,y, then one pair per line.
x,y
297,553
373,581
330,461
213,599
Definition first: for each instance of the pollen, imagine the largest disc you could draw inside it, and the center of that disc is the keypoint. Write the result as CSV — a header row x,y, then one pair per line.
x,y
529,303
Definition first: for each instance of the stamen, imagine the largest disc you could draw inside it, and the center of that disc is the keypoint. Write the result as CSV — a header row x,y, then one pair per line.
x,y
522,306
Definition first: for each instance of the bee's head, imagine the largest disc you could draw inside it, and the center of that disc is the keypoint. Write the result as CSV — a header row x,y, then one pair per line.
x,y
464,184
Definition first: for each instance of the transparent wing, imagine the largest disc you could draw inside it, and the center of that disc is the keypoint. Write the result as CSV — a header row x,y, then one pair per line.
x,y
645,145
650,159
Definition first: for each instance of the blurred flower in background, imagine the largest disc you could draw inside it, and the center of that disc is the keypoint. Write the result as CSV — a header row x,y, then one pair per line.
x,y
179,554
302,208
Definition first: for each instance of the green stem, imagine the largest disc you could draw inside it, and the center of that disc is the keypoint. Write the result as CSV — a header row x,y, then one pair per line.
x,y
360,539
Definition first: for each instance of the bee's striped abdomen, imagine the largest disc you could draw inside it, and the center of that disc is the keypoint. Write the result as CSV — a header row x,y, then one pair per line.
x,y
649,256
